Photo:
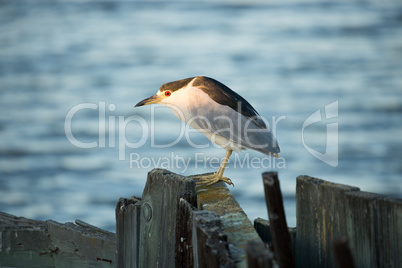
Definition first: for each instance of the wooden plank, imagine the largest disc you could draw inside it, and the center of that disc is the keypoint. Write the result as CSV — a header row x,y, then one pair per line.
x,y
128,213
158,217
321,217
389,224
361,227
24,243
7,220
211,245
279,229
234,222
81,247
31,243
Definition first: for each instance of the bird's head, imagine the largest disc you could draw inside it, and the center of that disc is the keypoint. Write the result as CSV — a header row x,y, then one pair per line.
x,y
157,98
165,91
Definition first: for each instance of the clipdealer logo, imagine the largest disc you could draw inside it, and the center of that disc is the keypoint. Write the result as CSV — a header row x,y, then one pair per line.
x,y
330,156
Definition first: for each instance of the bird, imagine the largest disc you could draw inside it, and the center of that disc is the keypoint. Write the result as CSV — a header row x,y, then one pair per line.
x,y
222,115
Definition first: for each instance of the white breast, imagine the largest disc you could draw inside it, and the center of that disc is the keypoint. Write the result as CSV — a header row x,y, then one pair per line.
x,y
183,102
197,109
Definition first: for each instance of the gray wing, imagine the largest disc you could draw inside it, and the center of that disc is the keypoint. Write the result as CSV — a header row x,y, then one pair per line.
x,y
223,95
235,127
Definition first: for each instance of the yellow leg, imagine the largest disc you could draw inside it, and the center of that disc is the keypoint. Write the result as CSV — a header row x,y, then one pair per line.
x,y
224,163
218,176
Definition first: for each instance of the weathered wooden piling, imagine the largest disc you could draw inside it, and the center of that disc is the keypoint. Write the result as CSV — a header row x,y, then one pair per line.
x,y
211,245
184,252
388,224
183,225
321,217
360,216
259,257
128,213
327,211
263,229
235,224
374,227
276,213
177,223
159,204
342,253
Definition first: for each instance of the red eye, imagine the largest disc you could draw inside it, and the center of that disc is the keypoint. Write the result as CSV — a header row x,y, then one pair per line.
x,y
168,93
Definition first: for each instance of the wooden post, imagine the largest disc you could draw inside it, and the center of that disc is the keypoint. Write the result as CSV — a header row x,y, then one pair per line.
x,y
128,213
211,246
361,227
321,217
234,222
389,231
158,217
258,257
342,253
374,224
279,230
184,256
264,230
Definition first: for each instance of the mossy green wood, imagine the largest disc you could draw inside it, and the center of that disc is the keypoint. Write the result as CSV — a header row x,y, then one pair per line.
x,y
235,224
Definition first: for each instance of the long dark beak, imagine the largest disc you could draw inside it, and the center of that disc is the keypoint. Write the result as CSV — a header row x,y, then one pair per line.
x,y
150,100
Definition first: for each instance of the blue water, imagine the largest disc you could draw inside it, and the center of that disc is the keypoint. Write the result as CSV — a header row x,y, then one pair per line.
x,y
287,58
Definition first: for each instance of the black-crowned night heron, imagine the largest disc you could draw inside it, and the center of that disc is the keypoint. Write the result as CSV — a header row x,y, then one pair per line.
x,y
221,114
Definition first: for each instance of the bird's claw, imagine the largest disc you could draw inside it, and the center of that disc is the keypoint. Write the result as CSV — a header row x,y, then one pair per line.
x,y
212,179
227,180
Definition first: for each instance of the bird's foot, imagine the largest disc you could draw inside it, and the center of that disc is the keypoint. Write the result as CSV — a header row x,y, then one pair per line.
x,y
211,179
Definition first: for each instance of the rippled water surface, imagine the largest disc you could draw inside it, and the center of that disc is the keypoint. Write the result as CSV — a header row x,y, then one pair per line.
x,y
96,60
